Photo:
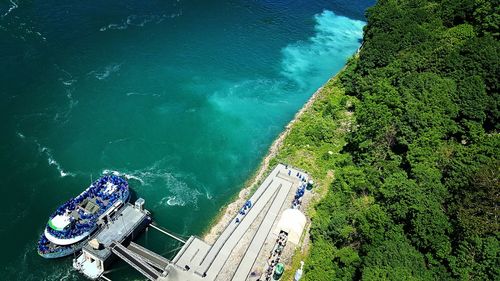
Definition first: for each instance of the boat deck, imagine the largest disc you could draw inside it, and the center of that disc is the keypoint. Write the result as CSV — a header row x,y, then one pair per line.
x,y
71,224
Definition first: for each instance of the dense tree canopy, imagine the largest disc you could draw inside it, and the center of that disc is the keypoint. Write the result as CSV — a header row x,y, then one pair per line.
x,y
416,195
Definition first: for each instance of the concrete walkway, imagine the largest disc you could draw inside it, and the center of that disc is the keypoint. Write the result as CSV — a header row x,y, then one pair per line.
x,y
253,250
230,257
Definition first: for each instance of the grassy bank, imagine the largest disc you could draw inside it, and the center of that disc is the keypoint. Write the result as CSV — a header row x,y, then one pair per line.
x,y
409,182
314,144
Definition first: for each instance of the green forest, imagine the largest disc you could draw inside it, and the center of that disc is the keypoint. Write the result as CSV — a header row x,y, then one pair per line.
x,y
406,140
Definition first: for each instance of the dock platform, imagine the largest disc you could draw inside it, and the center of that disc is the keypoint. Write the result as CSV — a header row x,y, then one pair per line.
x,y
233,255
122,227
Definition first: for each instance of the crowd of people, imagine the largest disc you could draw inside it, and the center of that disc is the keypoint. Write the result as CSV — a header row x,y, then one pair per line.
x,y
275,255
43,245
243,211
297,200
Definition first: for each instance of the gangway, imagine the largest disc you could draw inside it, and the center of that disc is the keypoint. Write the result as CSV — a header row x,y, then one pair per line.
x,y
149,256
136,262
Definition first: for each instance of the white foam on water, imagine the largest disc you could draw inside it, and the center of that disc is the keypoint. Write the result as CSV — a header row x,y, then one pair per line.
x,y
304,66
172,201
13,5
139,21
335,39
125,175
71,101
52,162
106,71
62,273
63,116
68,82
180,192
118,140
209,196
172,188
141,94
114,26
176,15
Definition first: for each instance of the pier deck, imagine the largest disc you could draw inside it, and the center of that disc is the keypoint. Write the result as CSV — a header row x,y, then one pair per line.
x,y
124,225
135,261
149,256
234,253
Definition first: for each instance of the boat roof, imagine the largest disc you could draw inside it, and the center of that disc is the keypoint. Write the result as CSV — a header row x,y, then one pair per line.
x,y
65,241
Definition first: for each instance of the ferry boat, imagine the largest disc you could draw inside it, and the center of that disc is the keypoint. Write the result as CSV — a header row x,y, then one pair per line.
x,y
70,226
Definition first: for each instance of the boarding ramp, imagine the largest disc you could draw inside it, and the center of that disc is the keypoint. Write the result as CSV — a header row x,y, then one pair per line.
x,y
149,256
135,261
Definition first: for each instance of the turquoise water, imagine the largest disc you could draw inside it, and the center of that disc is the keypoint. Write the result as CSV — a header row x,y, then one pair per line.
x,y
181,97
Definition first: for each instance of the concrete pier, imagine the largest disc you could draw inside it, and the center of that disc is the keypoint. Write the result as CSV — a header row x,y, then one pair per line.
x,y
234,254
